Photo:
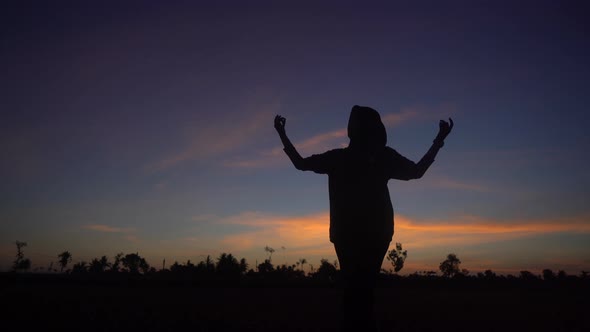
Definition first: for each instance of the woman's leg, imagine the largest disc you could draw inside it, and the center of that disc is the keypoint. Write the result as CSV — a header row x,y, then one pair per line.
x,y
360,264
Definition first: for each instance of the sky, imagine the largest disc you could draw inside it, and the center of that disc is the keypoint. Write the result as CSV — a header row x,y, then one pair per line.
x,y
148,127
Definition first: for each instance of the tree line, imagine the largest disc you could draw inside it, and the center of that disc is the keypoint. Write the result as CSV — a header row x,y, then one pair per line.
x,y
227,265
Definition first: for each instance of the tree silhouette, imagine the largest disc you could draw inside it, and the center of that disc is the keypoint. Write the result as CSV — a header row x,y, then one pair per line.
x,y
206,266
487,274
548,274
243,265
21,263
397,257
116,266
228,265
80,267
301,262
265,267
527,275
450,266
135,263
64,258
326,271
175,267
99,265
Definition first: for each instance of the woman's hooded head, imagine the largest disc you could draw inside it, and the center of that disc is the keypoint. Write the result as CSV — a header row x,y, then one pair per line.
x,y
365,128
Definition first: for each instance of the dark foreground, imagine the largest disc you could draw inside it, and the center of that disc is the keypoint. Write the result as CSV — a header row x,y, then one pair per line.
x,y
47,302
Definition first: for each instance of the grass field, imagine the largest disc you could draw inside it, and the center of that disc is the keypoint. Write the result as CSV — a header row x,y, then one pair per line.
x,y
44,302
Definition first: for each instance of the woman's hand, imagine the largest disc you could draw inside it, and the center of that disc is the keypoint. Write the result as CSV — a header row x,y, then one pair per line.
x,y
280,124
444,129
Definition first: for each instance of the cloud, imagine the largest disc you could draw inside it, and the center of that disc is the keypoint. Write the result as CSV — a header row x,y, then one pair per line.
x,y
320,142
126,233
311,231
395,119
132,238
299,233
472,230
107,228
428,240
219,136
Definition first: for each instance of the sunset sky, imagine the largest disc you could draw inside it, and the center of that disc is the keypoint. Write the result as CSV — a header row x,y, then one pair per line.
x,y
149,128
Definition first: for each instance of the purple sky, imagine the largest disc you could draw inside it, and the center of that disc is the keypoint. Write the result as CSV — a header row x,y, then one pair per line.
x,y
149,128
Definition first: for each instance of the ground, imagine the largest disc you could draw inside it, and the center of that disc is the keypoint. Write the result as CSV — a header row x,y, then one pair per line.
x,y
406,306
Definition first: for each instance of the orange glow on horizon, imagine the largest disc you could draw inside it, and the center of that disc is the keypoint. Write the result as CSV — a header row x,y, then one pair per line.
x,y
310,233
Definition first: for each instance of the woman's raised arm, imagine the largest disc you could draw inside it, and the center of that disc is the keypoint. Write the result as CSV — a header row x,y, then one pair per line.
x,y
290,150
424,163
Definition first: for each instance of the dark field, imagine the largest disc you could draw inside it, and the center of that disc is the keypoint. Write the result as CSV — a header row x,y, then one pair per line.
x,y
85,304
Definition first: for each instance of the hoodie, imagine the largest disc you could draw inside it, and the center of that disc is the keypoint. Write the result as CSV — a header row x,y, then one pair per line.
x,y
360,206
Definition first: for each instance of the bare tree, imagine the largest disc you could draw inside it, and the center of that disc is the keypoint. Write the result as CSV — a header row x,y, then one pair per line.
x,y
270,251
21,263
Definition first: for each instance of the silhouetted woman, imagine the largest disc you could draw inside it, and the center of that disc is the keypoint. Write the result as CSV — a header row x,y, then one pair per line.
x,y
361,214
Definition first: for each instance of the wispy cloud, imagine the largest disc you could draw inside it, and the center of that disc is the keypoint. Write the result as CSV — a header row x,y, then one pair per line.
x,y
395,119
319,142
472,230
427,240
107,228
276,156
299,233
311,231
213,138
